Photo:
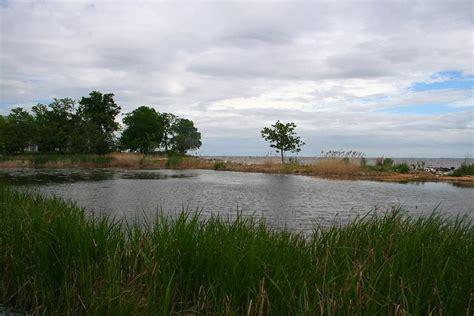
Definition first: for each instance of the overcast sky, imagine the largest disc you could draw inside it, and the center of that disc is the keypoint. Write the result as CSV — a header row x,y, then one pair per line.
x,y
391,78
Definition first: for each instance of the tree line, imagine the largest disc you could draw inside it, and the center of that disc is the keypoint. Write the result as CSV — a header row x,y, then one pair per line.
x,y
89,127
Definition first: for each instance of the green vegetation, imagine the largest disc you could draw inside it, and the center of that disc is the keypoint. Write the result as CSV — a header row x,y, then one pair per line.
x,y
219,165
387,165
55,259
144,132
465,170
90,128
282,137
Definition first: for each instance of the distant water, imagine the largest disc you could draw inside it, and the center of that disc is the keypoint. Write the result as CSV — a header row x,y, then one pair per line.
x,y
429,162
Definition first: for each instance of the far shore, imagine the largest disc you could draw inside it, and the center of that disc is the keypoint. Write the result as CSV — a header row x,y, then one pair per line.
x,y
326,168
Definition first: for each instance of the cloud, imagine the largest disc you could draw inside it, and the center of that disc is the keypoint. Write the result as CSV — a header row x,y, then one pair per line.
x,y
338,69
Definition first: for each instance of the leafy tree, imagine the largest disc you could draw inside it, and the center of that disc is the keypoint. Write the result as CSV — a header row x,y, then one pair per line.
x,y
282,137
144,131
100,110
17,131
3,124
169,120
55,125
186,136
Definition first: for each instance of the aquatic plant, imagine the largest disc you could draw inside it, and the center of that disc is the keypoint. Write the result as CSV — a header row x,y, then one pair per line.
x,y
56,258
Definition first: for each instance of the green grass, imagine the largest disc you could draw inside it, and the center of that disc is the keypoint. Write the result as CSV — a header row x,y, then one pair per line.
x,y
56,259
465,170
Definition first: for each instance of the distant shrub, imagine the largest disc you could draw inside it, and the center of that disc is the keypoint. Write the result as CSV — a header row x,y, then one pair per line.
x,y
363,162
402,168
388,162
465,170
219,165
345,160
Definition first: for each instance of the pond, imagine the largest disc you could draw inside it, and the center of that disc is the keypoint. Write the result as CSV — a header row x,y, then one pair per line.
x,y
297,202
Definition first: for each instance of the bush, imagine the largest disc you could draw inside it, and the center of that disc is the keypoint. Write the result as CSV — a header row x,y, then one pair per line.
x,y
218,165
402,168
465,170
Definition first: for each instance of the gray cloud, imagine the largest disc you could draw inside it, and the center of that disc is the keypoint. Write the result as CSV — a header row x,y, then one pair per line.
x,y
235,66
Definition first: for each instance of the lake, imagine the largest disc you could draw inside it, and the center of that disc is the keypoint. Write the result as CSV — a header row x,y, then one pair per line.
x,y
297,202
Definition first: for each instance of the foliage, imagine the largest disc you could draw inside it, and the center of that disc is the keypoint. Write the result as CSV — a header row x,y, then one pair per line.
x,y
100,111
402,168
465,170
55,125
169,120
57,259
64,127
185,136
283,137
219,165
17,131
144,131
387,165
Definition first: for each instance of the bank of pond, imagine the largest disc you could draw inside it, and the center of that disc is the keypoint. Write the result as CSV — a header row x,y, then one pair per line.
x,y
357,169
56,258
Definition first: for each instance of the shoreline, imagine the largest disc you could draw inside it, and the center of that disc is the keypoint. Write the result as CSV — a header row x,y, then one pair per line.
x,y
335,170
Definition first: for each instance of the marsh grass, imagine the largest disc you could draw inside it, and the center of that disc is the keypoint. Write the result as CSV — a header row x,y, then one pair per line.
x,y
334,166
55,259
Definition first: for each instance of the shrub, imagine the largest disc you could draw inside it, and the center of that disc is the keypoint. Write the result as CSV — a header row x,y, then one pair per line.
x,y
465,170
388,162
402,168
218,165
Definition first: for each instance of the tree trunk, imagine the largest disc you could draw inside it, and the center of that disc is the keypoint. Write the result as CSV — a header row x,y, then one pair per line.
x,y
282,159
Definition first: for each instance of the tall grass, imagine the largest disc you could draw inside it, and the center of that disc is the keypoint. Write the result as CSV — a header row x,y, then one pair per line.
x,y
55,258
333,166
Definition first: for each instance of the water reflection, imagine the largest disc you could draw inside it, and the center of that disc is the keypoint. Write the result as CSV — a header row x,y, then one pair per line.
x,y
297,202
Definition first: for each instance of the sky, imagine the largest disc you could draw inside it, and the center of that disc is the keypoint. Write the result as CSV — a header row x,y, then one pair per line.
x,y
388,78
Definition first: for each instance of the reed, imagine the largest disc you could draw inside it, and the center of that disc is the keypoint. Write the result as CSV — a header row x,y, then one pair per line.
x,y
55,258
334,167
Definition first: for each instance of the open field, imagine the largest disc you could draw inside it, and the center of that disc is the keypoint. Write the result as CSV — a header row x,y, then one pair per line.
x,y
55,258
327,168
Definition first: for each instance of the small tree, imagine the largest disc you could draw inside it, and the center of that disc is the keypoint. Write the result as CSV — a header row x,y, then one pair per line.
x,y
283,137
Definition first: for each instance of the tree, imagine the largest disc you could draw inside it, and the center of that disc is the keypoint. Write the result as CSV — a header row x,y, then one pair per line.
x,y
17,131
283,137
55,125
144,131
186,136
100,110
169,120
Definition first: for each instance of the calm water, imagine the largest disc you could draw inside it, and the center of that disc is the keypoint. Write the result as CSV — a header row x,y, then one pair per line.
x,y
297,202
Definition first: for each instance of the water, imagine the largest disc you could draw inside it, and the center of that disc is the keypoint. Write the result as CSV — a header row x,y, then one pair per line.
x,y
297,202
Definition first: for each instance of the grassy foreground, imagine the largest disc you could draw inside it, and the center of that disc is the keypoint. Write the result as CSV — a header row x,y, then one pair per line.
x,y
56,259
